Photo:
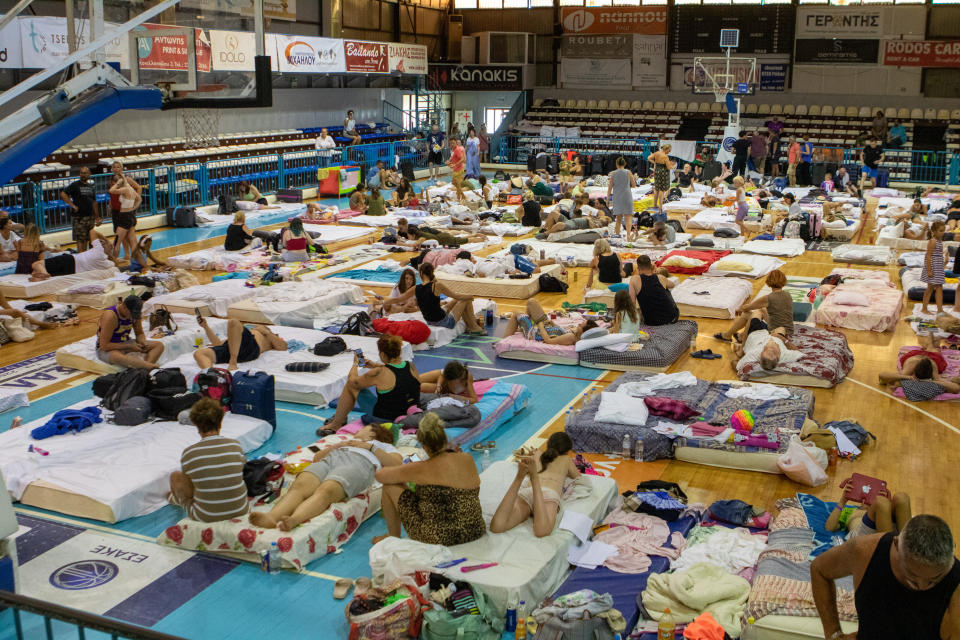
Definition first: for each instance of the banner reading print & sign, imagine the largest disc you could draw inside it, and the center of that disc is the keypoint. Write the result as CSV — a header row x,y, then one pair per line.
x,y
366,57
169,53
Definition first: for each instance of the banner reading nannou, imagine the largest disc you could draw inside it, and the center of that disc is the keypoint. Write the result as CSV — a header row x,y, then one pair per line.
x,y
921,53
407,58
366,57
169,53
646,20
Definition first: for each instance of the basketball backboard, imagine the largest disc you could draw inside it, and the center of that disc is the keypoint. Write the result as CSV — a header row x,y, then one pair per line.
x,y
720,75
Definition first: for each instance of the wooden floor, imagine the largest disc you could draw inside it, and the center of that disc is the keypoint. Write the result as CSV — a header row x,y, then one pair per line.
x,y
918,446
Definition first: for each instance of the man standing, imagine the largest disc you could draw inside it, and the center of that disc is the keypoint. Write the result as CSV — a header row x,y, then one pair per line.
x,y
806,156
458,165
741,149
435,151
758,151
773,158
81,197
325,144
898,135
871,157
793,159
905,585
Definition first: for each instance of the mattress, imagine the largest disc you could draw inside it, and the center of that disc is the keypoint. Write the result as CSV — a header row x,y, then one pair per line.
x,y
882,313
845,232
799,288
442,336
925,323
315,538
306,388
18,285
82,354
336,233
861,274
216,296
516,347
379,273
709,297
786,247
295,304
665,346
13,399
565,252
511,229
218,259
499,403
760,266
528,566
862,254
914,287
826,361
706,257
715,218
342,260
278,212
520,289
576,236
108,472
390,220
952,357
113,291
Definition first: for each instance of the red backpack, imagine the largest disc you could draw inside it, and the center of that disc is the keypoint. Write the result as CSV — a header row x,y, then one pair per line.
x,y
215,383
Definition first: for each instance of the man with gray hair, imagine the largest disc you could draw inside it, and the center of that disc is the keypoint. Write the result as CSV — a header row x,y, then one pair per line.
x,y
905,585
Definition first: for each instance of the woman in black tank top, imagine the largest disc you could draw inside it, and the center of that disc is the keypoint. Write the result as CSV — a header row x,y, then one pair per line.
x,y
396,382
606,264
437,313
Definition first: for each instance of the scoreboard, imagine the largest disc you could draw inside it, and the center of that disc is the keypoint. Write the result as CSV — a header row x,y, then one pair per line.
x,y
764,29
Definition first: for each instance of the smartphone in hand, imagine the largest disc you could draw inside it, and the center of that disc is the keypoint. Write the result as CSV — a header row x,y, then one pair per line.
x,y
361,361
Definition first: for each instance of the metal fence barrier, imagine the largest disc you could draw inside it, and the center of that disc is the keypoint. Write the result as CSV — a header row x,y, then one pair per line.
x,y
515,149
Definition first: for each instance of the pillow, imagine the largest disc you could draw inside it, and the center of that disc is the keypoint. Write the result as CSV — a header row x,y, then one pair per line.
x,y
683,262
850,298
733,265
620,408
701,241
247,205
596,332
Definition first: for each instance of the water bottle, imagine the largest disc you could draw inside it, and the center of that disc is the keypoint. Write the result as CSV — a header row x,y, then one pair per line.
x,y
273,558
666,628
198,339
693,342
638,450
625,453
485,460
520,631
511,613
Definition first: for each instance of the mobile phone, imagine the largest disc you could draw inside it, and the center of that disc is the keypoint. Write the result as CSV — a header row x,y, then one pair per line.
x,y
361,361
313,448
199,315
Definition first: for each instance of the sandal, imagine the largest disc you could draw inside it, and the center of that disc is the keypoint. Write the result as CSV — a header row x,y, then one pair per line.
x,y
362,584
476,333
341,587
719,336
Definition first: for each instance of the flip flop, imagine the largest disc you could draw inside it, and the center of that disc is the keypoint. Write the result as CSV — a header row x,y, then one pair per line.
x,y
341,587
362,584
719,336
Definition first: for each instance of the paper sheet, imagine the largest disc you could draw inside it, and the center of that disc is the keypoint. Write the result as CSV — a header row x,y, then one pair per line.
x,y
577,524
591,554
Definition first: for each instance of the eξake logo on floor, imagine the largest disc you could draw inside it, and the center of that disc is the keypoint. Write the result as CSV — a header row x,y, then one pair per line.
x,y
85,574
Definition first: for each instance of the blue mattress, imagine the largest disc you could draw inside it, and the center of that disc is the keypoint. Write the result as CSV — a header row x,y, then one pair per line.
x,y
386,276
624,587
500,403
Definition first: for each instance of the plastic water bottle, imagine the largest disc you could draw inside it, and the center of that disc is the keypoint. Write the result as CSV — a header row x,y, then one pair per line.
x,y
485,460
511,613
693,342
625,453
638,450
666,628
520,631
198,339
273,558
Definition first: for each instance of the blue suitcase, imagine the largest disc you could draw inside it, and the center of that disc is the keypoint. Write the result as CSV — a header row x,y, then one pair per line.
x,y
253,395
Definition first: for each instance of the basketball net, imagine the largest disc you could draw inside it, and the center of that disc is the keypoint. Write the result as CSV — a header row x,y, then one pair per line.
x,y
201,127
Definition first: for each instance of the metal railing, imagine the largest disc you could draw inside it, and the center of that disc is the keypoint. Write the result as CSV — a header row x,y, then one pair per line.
x,y
34,618
515,149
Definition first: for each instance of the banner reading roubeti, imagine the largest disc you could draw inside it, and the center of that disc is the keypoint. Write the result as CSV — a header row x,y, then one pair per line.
x,y
407,58
921,53
366,57
644,20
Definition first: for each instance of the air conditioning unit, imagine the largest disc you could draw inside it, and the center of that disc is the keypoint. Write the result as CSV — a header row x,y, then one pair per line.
x,y
454,34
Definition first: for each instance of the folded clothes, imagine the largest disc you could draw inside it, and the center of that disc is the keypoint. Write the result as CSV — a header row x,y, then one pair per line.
x,y
670,408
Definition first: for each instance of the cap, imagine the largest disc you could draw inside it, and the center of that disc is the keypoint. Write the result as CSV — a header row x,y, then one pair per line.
x,y
134,305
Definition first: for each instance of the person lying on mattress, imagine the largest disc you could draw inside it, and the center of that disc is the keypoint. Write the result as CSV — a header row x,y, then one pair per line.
x,y
10,312
535,324
242,345
337,474
467,264
537,489
651,289
453,381
443,507
661,234
397,385
885,514
920,372
209,485
776,309
114,345
99,256
443,238
437,313
768,347
579,221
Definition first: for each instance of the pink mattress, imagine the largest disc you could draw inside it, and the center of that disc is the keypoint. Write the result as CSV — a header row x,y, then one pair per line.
x,y
862,274
953,369
517,342
880,315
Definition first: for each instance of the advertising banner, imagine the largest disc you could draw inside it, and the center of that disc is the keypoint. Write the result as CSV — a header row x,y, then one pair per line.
x,y
407,58
234,50
366,57
839,22
588,72
922,53
597,46
646,20
835,51
649,61
773,77
474,77
169,53
10,46
306,54
42,41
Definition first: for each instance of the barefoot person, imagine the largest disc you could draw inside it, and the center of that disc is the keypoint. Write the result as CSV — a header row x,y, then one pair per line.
x,y
443,507
114,345
535,324
537,489
242,345
98,257
436,313
886,513
337,474
920,372
209,485
768,347
9,311
776,309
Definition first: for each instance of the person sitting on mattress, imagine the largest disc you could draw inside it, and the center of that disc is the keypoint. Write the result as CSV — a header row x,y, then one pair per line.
x,y
652,293
953,216
242,345
114,345
294,242
408,280
209,485
238,236
776,309
535,324
537,489
920,372
337,474
397,385
8,240
885,513
661,234
768,347
98,257
531,210
443,507
358,201
605,264
626,316
453,381
142,256
442,314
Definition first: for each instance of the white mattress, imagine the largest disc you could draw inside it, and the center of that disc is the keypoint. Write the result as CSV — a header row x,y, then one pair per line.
x,y
12,399
686,203
787,247
109,292
529,566
255,217
307,388
726,294
441,336
218,259
296,303
126,468
862,253
218,296
18,285
714,218
505,229
373,266
390,220
762,265
335,232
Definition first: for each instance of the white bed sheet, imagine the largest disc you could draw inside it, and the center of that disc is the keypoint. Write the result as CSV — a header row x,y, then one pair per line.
x,y
335,232
762,265
297,303
12,399
390,220
721,293
18,285
125,468
218,296
218,259
862,253
786,247
315,388
255,217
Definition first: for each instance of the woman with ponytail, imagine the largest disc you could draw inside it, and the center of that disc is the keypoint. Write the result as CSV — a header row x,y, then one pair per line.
x,y
537,489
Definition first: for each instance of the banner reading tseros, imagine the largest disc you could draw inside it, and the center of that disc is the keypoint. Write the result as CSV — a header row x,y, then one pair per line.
x,y
644,20
407,58
366,57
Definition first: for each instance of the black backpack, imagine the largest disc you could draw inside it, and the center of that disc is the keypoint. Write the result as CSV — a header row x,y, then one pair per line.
x,y
127,384
103,384
167,403
226,204
551,284
359,324
170,378
330,346
645,220
261,475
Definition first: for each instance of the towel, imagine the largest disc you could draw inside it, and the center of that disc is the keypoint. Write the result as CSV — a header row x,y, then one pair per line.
x,y
703,588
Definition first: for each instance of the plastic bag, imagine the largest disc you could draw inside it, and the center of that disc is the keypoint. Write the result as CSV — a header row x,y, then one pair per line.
x,y
801,463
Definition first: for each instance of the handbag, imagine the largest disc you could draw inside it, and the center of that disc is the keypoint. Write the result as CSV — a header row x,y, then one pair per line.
x,y
161,317
397,621
588,628
440,624
359,324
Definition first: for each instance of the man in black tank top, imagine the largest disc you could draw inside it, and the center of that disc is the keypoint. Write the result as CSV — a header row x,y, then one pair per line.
x,y
906,585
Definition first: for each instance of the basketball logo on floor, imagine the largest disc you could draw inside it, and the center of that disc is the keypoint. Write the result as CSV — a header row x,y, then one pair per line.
x,y
85,574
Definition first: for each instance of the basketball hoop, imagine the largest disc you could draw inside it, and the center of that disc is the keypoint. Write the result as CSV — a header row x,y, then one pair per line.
x,y
722,84
201,128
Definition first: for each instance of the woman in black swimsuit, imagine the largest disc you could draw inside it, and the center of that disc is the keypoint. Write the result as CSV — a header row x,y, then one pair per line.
x,y
437,314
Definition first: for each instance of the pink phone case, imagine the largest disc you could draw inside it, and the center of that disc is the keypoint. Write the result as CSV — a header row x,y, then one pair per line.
x,y
865,489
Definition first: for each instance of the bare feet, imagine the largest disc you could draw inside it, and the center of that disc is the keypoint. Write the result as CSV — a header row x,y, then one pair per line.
x,y
16,422
263,519
232,366
287,523
377,539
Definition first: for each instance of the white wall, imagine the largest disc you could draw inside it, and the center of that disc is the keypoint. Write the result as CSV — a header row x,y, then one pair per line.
x,y
478,101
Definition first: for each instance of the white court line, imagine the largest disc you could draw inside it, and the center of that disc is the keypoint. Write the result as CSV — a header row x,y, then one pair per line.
x,y
908,404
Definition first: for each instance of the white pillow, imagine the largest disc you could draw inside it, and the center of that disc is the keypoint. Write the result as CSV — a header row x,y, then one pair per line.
x,y
850,298
620,408
246,205
595,332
